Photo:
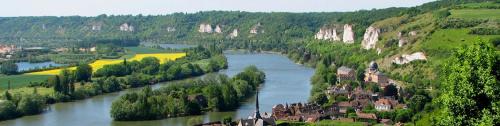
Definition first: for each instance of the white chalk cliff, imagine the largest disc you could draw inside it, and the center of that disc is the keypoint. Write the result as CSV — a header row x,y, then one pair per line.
x,y
234,34
171,29
348,36
327,34
218,29
256,29
370,38
205,28
126,27
404,59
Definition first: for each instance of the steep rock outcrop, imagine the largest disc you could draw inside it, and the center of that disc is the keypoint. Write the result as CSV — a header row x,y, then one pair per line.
x,y
126,27
256,29
370,38
96,27
348,36
205,28
327,34
171,29
218,29
234,34
404,59
402,40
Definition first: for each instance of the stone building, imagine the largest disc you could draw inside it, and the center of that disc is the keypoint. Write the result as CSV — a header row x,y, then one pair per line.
x,y
297,112
257,119
373,75
345,73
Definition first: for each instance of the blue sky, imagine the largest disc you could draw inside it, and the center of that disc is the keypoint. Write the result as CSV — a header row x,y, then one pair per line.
x,y
9,8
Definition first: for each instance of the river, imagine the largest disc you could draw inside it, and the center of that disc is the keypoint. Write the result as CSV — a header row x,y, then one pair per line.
x,y
286,82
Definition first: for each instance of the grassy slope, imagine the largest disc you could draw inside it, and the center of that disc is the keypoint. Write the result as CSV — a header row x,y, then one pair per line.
x,y
476,14
436,43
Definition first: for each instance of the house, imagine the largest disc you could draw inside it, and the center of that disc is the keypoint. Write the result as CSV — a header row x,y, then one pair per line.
x,y
343,106
257,119
386,122
4,49
373,75
345,73
385,104
366,117
339,90
296,111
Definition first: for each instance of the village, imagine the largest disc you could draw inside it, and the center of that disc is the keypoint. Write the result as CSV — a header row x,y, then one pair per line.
x,y
352,103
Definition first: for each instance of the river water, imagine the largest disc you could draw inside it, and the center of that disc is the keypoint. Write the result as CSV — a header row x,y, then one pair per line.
x,y
286,82
22,66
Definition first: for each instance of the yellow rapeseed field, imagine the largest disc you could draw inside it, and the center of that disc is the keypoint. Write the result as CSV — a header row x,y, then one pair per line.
x,y
98,64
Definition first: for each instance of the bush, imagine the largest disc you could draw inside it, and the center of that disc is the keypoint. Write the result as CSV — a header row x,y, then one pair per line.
x,y
8,110
31,104
485,31
459,23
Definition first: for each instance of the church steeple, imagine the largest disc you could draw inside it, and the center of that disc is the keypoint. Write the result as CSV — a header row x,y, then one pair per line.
x,y
257,113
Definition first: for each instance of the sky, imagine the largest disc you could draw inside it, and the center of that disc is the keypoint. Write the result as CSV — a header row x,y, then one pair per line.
x,y
11,8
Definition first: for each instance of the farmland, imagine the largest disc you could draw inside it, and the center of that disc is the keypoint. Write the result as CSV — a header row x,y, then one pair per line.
x,y
163,57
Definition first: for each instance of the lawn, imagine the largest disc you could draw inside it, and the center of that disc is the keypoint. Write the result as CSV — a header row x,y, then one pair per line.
x,y
144,50
163,57
17,81
476,14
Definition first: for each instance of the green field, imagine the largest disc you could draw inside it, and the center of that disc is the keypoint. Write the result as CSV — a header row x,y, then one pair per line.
x,y
476,14
144,50
17,81
442,41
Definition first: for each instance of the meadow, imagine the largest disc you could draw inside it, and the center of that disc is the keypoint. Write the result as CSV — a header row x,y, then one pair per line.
x,y
476,14
98,64
17,81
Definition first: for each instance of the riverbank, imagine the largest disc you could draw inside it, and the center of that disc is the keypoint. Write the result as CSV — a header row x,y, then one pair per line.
x,y
112,78
285,82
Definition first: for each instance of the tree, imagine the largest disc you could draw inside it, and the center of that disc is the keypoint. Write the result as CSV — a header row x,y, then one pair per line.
x,y
390,90
8,110
417,102
8,68
470,88
31,104
65,77
7,95
55,81
83,73
320,98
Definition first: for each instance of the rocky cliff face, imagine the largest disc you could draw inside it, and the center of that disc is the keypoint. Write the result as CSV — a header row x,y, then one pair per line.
x,y
327,34
405,58
256,29
348,36
370,38
205,28
126,27
171,29
96,27
403,39
218,29
234,34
